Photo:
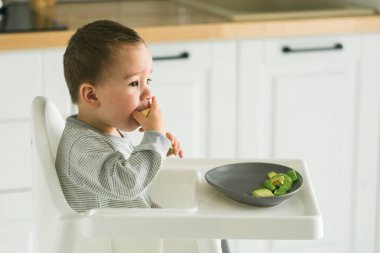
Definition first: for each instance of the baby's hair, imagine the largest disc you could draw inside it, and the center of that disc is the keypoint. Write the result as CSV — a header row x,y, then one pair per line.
x,y
90,50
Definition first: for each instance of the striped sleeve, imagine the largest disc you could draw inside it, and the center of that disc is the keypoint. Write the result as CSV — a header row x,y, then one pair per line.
x,y
99,168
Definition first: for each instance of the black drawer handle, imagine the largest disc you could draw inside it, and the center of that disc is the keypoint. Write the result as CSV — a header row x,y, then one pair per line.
x,y
288,50
184,55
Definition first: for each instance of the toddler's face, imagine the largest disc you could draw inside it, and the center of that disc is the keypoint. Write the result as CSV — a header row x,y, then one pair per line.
x,y
125,87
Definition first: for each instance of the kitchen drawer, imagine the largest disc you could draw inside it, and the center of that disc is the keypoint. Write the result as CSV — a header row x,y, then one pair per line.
x,y
21,80
15,155
180,55
16,221
311,50
21,71
54,82
16,207
15,237
16,105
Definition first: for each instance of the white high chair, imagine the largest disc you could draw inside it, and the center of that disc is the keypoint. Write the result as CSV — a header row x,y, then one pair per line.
x,y
56,224
58,227
192,210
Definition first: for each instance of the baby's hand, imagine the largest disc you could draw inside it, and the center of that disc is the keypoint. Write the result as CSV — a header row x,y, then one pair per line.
x,y
176,146
154,121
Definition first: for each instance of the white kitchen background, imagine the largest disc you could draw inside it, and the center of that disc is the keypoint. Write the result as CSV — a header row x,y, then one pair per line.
x,y
234,99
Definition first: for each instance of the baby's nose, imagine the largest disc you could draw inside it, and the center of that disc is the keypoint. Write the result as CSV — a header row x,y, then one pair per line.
x,y
146,93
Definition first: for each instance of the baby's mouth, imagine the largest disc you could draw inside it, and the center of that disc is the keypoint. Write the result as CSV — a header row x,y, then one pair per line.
x,y
145,106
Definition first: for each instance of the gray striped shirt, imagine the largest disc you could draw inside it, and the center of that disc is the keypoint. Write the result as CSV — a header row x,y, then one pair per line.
x,y
98,170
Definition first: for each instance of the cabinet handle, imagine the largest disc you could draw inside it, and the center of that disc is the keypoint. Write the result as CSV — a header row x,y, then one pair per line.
x,y
184,55
288,50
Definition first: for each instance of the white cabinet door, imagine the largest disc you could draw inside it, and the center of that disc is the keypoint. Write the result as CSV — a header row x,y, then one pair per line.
x,y
180,82
368,144
21,73
194,84
25,74
54,82
15,221
308,104
21,81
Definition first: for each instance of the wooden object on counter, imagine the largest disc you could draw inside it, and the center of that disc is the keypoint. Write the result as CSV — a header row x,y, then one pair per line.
x,y
216,31
164,21
41,4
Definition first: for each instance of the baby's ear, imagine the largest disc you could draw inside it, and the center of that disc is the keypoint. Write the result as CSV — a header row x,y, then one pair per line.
x,y
88,95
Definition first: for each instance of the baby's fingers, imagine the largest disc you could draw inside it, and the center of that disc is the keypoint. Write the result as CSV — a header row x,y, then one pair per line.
x,y
176,146
154,104
172,141
178,149
170,137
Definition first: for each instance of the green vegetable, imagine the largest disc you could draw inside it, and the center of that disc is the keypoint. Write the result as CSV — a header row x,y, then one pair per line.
x,y
293,175
268,185
277,180
271,174
278,192
262,192
287,179
277,184
284,188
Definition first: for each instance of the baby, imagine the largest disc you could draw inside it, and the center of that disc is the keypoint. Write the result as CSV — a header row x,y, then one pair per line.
x,y
107,68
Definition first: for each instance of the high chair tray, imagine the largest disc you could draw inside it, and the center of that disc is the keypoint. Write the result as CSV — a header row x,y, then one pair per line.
x,y
191,208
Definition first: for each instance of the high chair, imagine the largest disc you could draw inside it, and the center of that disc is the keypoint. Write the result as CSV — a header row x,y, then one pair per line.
x,y
192,209
58,228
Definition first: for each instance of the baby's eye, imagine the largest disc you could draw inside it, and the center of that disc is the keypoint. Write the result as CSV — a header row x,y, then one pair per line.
x,y
149,81
134,83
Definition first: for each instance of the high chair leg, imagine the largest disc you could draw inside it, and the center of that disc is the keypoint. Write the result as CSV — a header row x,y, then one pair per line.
x,y
66,237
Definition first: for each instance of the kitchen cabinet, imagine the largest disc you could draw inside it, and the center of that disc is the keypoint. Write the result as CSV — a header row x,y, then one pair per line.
x,y
196,94
317,99
24,75
21,73
54,81
20,82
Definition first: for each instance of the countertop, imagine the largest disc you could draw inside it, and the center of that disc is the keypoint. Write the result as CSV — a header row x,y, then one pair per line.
x,y
164,21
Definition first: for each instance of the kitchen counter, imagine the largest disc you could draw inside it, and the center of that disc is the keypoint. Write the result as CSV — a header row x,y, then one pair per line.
x,y
163,21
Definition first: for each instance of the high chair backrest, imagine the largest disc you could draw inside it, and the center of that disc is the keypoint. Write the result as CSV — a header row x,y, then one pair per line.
x,y
48,125
50,203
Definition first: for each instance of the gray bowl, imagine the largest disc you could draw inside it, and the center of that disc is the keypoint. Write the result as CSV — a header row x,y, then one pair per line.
x,y
237,181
